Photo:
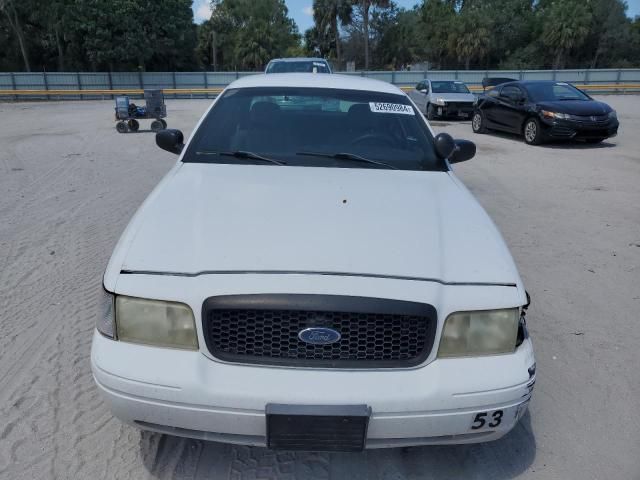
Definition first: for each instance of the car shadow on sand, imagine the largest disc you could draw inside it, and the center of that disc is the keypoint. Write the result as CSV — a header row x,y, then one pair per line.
x,y
555,144
167,456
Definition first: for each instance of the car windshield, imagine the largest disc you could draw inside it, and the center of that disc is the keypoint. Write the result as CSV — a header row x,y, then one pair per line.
x,y
303,66
545,92
449,87
314,127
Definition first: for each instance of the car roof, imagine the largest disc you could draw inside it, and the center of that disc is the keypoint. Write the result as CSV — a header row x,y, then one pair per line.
x,y
299,59
314,80
534,82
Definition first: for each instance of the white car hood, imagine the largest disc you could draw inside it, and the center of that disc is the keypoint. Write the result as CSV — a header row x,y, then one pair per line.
x,y
455,97
249,218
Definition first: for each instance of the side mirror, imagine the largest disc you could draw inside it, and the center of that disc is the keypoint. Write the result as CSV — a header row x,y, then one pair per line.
x,y
455,151
445,145
170,140
465,150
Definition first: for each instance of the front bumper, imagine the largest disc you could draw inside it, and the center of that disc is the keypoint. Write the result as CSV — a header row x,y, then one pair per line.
x,y
570,129
455,109
188,394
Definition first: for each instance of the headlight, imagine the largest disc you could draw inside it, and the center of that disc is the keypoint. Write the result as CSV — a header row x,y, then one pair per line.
x,y
104,322
440,101
154,322
488,332
560,116
613,114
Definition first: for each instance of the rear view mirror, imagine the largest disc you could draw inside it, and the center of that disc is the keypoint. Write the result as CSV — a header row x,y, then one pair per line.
x,y
170,140
455,151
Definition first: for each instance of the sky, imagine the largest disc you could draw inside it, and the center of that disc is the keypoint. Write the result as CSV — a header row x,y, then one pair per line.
x,y
301,12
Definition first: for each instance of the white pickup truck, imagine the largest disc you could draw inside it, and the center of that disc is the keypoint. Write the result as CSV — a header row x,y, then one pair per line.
x,y
312,275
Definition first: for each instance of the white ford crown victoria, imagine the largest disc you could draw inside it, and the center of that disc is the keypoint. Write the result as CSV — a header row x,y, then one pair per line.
x,y
311,275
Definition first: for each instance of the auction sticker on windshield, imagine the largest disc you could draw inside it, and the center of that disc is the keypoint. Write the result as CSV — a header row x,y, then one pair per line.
x,y
381,107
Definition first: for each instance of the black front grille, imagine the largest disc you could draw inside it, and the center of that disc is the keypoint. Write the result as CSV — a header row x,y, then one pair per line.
x,y
460,104
264,329
591,119
455,106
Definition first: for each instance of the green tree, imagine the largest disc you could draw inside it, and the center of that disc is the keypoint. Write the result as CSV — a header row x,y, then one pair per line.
x,y
251,32
132,34
512,29
365,6
437,20
609,33
470,38
565,27
399,37
14,12
317,42
328,15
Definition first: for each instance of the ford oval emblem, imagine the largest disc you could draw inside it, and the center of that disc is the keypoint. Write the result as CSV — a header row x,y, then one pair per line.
x,y
319,336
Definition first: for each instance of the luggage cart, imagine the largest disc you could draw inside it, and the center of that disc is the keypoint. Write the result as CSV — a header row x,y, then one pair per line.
x,y
128,113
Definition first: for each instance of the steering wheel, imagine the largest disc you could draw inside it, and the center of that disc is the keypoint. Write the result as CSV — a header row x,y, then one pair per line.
x,y
373,138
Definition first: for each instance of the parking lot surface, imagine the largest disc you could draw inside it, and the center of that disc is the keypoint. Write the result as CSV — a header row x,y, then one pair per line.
x,y
569,213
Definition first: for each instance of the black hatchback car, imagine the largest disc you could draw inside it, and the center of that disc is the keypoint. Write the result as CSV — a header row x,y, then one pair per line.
x,y
544,110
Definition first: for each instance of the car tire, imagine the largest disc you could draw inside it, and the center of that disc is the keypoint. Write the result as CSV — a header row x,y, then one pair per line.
x,y
122,127
431,112
164,123
532,131
134,125
477,123
156,125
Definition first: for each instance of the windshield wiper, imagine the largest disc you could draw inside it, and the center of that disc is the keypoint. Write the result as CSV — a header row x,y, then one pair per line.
x,y
241,154
347,156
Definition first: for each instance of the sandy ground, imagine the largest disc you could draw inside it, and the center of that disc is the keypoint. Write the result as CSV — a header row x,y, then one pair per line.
x,y
570,214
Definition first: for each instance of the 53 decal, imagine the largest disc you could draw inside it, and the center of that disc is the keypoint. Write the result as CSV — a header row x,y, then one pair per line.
x,y
487,420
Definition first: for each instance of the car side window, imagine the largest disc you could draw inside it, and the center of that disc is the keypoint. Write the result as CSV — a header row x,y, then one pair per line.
x,y
420,86
512,93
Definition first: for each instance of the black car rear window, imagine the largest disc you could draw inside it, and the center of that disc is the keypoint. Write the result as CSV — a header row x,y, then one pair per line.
x,y
281,123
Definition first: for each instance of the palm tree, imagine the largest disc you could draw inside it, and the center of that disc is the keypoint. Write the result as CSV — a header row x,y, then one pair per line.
x,y
566,26
365,6
327,14
470,39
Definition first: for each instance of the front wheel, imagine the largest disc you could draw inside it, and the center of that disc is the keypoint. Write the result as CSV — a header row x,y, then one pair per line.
x,y
122,127
134,125
164,123
478,123
156,125
532,132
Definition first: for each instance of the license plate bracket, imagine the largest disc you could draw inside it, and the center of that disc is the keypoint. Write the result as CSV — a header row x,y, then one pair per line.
x,y
317,427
